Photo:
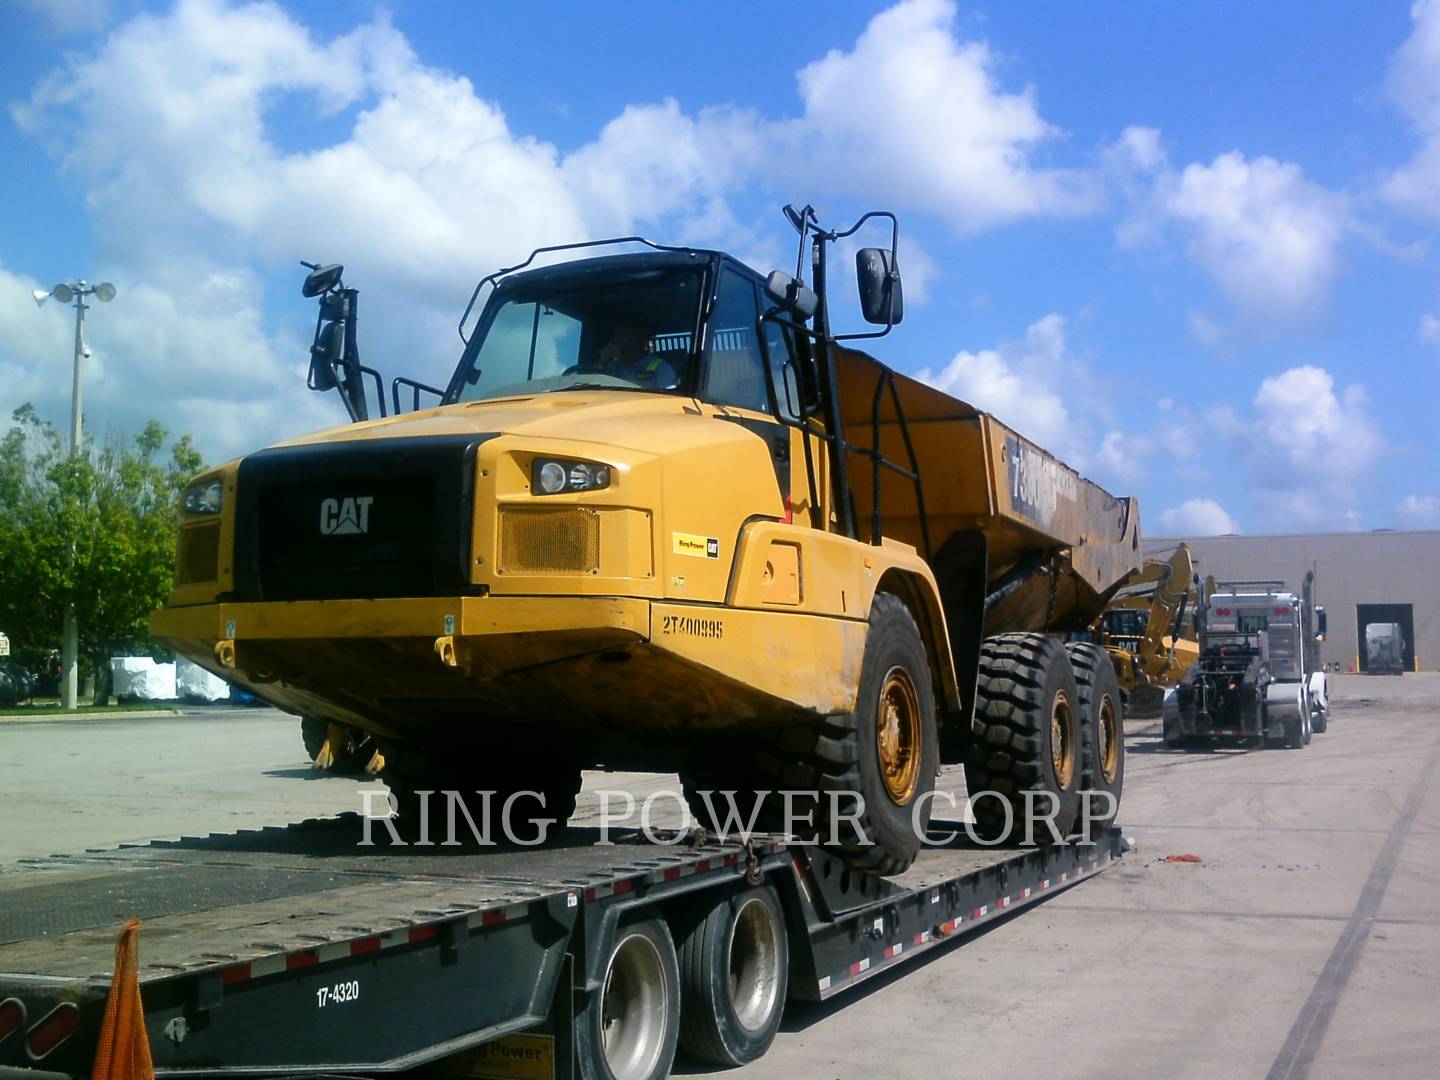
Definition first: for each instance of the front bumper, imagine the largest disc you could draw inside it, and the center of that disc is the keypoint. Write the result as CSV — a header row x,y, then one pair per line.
x,y
615,677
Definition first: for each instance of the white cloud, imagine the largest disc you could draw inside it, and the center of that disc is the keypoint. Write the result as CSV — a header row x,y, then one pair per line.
x,y
1414,84
195,195
1305,451
1269,237
1021,383
914,115
1430,331
1197,517
1419,510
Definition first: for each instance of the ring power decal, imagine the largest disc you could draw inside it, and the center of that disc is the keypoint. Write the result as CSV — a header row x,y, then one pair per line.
x,y
701,547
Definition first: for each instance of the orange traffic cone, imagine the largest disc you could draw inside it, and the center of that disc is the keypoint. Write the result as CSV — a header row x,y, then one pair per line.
x,y
123,1052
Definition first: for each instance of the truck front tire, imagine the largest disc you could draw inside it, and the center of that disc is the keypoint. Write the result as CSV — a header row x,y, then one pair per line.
x,y
1025,753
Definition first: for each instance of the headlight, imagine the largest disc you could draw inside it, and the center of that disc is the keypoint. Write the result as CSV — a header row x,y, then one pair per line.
x,y
549,476
203,498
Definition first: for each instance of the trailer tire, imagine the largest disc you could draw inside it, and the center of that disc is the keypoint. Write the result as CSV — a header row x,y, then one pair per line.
x,y
1102,730
734,974
627,1029
1025,738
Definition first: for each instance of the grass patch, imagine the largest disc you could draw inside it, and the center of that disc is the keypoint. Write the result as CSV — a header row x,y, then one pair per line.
x,y
52,708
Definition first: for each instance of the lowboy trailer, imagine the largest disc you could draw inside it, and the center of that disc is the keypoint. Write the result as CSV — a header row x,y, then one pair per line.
x,y
294,952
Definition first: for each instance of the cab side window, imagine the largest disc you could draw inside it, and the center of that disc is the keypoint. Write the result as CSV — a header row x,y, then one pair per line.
x,y
784,369
735,370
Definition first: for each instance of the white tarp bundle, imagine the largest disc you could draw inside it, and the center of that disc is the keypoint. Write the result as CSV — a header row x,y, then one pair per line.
x,y
197,684
139,678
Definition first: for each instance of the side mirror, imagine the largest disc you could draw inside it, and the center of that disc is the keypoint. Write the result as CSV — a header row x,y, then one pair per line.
x,y
789,295
881,299
321,280
1320,628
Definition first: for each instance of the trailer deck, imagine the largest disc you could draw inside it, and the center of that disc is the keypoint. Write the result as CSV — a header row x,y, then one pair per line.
x,y
292,950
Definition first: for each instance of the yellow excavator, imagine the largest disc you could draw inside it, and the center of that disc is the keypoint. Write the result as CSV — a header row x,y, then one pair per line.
x,y
1149,628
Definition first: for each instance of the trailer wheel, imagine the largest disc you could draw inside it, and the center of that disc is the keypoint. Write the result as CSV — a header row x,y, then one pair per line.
x,y
734,973
1102,730
1026,738
627,1029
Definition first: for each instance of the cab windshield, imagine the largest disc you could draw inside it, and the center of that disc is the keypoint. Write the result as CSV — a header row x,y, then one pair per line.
x,y
623,330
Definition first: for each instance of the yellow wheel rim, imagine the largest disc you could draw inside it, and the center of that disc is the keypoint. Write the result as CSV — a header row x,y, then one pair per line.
x,y
898,736
1108,732
1062,739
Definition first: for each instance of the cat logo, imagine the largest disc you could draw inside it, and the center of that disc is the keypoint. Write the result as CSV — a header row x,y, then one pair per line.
x,y
346,517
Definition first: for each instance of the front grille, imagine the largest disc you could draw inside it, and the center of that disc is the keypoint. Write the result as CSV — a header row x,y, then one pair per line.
x,y
356,520
199,558
549,540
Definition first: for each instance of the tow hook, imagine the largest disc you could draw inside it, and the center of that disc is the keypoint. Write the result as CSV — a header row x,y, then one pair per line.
x,y
753,876
445,650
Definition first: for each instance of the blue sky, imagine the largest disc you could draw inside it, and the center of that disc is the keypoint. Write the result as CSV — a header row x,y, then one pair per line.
x,y
1190,249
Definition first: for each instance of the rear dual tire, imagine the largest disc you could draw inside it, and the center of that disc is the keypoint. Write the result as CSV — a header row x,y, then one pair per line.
x,y
1025,754
1102,735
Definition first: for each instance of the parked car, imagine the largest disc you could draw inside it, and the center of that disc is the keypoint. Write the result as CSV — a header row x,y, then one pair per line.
x,y
16,684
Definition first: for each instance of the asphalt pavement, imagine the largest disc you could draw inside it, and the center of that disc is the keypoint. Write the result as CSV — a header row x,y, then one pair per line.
x,y
1305,942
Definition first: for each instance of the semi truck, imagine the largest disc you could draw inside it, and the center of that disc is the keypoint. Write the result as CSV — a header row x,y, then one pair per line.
x,y
663,516
1384,649
1259,676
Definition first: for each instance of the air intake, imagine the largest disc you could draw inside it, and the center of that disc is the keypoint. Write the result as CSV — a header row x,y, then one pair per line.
x,y
549,540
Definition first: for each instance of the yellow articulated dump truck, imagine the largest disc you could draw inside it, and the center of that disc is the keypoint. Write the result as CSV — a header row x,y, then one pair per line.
x,y
664,517
1149,628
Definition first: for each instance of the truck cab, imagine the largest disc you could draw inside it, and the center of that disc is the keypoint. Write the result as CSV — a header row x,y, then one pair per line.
x,y
1258,676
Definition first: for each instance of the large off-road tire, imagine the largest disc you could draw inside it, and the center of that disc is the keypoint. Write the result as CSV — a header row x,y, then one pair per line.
x,y
556,780
734,973
1025,738
872,769
628,1028
1102,733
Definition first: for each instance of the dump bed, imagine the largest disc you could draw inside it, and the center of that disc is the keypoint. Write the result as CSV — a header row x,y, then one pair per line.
x,y
1058,545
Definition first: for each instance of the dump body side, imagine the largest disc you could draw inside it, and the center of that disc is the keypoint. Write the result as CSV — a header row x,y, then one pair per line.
x,y
1057,545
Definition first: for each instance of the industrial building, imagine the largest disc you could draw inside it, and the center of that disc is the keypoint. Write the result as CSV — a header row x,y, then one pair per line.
x,y
1360,577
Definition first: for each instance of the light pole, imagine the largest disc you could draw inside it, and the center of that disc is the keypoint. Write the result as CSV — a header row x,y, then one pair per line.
x,y
77,292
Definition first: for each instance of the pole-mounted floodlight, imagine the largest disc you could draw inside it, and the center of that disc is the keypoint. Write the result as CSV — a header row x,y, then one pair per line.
x,y
66,293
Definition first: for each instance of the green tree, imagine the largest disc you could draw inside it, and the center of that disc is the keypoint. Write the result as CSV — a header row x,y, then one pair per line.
x,y
96,529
